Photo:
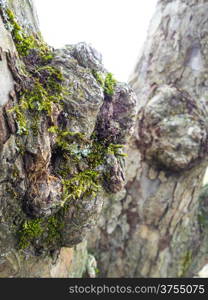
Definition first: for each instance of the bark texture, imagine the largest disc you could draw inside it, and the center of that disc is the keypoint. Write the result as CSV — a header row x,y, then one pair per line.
x,y
61,141
63,123
152,228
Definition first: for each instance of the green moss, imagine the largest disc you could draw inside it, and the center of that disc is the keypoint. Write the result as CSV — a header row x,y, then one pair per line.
x,y
35,125
107,82
97,153
24,42
53,129
44,51
51,78
54,227
87,182
38,98
46,231
116,149
99,78
83,184
30,231
21,120
44,86
109,85
45,91
99,150
65,138
73,145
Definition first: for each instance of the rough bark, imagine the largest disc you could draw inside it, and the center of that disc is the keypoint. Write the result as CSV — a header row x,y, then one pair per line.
x,y
65,144
152,228
61,140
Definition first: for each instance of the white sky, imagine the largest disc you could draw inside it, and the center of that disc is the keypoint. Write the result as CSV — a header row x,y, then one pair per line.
x,y
116,28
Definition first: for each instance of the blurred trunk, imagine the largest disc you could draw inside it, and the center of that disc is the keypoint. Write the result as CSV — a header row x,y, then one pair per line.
x,y
151,228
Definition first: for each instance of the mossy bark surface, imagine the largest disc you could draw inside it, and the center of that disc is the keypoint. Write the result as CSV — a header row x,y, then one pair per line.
x,y
65,123
61,147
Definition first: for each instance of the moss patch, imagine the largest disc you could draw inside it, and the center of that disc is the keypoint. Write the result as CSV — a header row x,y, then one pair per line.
x,y
99,78
30,230
85,183
39,231
24,43
109,85
43,86
106,81
116,150
20,117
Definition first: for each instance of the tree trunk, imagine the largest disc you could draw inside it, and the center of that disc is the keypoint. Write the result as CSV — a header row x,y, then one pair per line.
x,y
64,121
152,228
61,140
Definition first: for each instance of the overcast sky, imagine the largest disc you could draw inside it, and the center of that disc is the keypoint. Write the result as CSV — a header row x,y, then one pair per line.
x,y
116,28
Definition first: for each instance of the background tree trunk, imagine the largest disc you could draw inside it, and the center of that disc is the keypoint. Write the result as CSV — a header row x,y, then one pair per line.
x,y
152,228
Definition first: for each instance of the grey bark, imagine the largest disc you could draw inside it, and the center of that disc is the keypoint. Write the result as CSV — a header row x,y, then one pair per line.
x,y
151,226
152,229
